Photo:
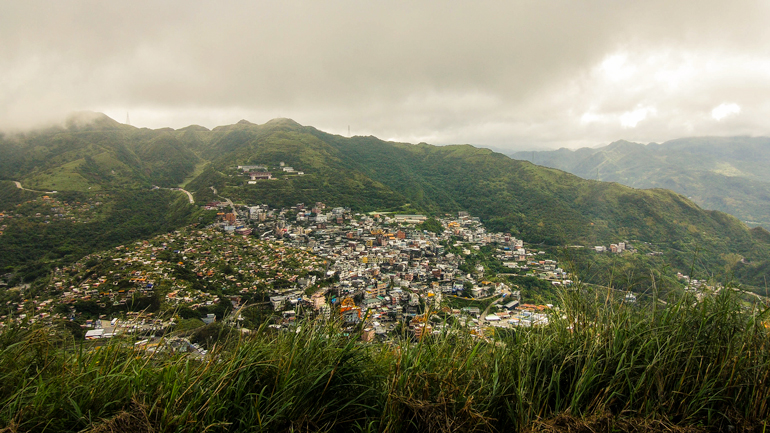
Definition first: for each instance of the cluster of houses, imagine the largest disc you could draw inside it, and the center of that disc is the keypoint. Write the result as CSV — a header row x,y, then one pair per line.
x,y
114,280
386,270
699,287
47,209
614,248
255,173
309,260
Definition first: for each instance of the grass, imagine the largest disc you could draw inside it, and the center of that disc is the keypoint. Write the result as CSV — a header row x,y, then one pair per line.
x,y
199,167
65,179
599,364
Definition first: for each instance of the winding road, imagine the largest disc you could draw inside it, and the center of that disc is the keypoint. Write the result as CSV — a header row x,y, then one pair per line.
x,y
184,191
189,195
229,202
482,317
18,185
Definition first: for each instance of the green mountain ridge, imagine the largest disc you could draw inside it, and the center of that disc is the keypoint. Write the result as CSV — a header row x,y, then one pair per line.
x,y
538,204
728,174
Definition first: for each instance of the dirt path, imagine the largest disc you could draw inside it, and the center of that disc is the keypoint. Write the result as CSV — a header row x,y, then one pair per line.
x,y
18,185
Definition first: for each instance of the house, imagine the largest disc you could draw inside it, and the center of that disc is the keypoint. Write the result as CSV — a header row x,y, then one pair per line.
x,y
411,219
94,334
511,305
372,303
252,167
258,175
478,292
352,316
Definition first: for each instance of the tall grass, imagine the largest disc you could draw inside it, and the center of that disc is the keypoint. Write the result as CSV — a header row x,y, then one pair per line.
x,y
689,363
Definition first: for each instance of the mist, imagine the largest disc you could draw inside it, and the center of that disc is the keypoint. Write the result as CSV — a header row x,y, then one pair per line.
x,y
527,75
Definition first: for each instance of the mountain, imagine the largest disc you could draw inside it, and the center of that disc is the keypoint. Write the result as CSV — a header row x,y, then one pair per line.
x,y
95,152
538,204
728,174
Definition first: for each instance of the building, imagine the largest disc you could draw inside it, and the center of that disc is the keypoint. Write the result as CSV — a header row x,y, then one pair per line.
x,y
94,334
258,175
410,219
252,168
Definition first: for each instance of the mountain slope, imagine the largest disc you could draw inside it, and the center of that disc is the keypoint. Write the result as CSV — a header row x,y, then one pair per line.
x,y
728,174
96,155
538,204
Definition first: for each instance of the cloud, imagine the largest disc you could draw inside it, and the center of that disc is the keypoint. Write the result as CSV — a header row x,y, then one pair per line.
x,y
630,119
724,110
617,68
506,74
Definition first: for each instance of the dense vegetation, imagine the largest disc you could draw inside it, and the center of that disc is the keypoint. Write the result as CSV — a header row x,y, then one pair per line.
x,y
728,174
685,365
99,154
534,203
540,205
30,248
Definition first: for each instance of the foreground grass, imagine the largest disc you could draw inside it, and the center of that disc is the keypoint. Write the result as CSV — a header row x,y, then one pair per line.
x,y
690,364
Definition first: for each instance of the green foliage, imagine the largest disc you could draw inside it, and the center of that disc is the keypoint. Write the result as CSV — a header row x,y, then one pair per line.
x,y
693,363
33,248
534,290
10,196
188,313
431,225
102,155
728,174
189,324
540,205
211,334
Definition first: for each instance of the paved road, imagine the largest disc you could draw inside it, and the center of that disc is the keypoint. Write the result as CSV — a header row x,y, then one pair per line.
x,y
229,202
188,194
482,317
184,191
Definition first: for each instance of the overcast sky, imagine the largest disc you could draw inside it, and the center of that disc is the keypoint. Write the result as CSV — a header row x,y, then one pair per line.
x,y
512,75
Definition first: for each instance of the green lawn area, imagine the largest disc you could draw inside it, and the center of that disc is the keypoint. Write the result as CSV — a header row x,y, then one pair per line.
x,y
64,179
198,170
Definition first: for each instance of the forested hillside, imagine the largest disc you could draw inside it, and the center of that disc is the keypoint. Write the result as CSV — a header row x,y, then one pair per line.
x,y
728,174
538,204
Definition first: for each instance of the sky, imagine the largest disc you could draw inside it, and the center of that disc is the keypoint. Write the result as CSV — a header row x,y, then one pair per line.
x,y
512,75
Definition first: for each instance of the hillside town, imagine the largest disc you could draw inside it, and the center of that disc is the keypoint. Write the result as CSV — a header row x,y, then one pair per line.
x,y
51,208
383,272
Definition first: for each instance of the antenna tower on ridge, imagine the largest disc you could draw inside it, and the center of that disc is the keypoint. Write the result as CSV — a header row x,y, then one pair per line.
x,y
128,122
